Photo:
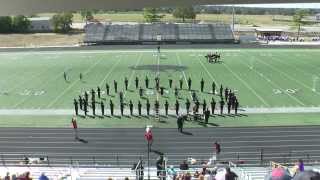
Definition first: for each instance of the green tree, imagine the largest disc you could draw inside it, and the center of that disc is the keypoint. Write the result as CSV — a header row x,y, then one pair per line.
x,y
184,13
151,15
62,22
5,24
298,20
87,15
20,24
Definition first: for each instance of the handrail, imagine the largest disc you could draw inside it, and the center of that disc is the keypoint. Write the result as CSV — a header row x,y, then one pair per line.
x,y
124,159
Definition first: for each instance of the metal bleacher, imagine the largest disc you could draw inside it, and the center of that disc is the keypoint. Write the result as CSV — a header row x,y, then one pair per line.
x,y
151,31
122,32
98,33
95,32
222,32
194,31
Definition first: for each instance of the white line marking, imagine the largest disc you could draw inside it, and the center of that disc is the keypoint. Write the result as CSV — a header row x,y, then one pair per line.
x,y
247,85
62,112
110,71
133,73
207,71
274,84
40,87
288,77
183,72
71,85
110,51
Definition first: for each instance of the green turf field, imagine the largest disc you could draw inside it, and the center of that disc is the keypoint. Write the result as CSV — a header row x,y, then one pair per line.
x,y
261,78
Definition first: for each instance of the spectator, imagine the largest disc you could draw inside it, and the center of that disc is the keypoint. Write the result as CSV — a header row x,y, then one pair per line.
x,y
159,165
307,175
184,166
204,171
300,165
279,173
196,174
43,177
172,172
187,176
25,176
126,178
7,177
230,175
13,177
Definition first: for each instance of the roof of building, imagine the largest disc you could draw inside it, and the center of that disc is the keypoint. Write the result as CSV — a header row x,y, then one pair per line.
x,y
39,19
268,30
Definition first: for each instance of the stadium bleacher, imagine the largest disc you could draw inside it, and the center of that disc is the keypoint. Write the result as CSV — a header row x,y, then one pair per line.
x,y
195,31
122,33
167,33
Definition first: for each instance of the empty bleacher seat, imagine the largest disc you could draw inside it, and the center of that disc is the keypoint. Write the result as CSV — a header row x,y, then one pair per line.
x,y
122,33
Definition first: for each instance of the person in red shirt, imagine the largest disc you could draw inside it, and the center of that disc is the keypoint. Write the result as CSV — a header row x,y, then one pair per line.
x,y
75,127
148,136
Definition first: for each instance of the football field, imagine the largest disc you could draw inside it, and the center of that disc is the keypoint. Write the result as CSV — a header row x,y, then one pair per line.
x,y
269,79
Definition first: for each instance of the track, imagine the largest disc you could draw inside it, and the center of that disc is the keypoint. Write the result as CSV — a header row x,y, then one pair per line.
x,y
123,147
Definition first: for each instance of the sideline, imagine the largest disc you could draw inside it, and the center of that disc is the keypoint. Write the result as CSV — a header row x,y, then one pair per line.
x,y
54,112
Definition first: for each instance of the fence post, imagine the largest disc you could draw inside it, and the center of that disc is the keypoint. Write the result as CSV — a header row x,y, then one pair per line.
x,y
261,156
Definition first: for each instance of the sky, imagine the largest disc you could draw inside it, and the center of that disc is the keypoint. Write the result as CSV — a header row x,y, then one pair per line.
x,y
293,5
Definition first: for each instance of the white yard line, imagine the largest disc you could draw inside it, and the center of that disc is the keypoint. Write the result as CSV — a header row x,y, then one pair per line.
x,y
40,87
247,85
54,112
109,72
204,67
108,51
133,73
306,63
111,51
184,74
158,72
27,81
294,66
289,77
273,83
73,83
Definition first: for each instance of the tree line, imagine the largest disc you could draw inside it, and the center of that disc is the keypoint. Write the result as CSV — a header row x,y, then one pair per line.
x,y
62,21
15,24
